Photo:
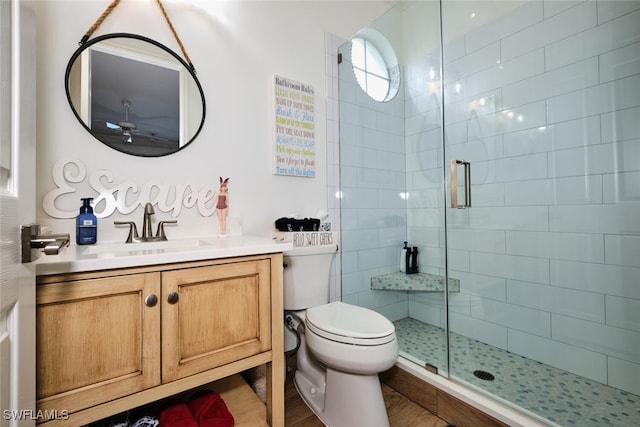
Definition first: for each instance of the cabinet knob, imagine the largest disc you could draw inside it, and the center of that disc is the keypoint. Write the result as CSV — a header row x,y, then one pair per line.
x,y
151,300
172,298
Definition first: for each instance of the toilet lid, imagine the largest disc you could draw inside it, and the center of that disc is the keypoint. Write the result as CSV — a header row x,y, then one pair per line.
x,y
348,323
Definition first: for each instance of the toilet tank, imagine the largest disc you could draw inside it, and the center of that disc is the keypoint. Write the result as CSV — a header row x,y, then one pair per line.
x,y
306,276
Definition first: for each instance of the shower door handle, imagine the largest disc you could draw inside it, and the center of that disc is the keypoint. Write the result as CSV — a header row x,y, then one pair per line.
x,y
454,184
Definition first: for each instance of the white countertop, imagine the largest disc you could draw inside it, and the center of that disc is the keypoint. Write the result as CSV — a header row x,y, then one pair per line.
x,y
77,258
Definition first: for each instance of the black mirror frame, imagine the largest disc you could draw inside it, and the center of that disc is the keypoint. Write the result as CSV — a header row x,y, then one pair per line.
x,y
187,66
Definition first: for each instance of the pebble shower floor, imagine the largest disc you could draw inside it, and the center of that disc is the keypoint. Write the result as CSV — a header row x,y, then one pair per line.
x,y
559,396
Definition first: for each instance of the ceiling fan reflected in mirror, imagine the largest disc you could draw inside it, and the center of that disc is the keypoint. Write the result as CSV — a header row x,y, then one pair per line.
x,y
165,99
125,126
129,131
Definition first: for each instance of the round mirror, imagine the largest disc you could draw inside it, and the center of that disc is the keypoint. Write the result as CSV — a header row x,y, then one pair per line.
x,y
135,95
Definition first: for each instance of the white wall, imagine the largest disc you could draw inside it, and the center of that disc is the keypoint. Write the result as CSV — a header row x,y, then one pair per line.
x,y
236,48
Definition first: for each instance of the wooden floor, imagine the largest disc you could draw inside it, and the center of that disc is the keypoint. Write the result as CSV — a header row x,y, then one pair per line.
x,y
402,412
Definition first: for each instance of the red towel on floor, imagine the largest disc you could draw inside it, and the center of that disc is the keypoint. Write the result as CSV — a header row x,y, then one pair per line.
x,y
177,414
209,410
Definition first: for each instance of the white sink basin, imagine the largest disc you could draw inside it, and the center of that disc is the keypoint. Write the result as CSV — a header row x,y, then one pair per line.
x,y
144,247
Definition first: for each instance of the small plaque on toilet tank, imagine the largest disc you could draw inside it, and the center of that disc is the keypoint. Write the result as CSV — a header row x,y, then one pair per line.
x,y
306,238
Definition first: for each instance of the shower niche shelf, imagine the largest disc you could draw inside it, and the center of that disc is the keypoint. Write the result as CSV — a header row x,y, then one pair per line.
x,y
421,282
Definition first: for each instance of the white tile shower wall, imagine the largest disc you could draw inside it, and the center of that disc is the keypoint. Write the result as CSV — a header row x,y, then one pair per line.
x,y
332,42
424,154
370,182
548,111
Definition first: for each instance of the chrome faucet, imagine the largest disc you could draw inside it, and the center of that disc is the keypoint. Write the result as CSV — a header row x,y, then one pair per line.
x,y
147,234
146,221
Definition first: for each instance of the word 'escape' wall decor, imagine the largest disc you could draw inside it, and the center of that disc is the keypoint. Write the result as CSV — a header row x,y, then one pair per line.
x,y
125,197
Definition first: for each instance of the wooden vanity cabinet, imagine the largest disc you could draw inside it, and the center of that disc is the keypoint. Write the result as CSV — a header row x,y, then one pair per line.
x,y
113,340
96,340
222,315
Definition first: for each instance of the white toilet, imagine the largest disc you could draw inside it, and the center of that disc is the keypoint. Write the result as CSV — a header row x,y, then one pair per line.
x,y
342,347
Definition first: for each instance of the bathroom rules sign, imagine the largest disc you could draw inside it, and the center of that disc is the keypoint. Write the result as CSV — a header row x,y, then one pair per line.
x,y
294,129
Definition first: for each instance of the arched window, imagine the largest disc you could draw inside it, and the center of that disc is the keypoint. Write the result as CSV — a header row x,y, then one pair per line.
x,y
372,71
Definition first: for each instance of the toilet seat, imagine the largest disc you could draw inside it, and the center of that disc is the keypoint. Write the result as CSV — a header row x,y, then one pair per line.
x,y
349,324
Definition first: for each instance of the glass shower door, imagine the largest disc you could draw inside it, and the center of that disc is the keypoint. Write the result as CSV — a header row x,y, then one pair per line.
x,y
538,102
422,334
542,102
391,182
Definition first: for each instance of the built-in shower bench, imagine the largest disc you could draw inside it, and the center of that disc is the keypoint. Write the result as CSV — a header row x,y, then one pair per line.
x,y
422,282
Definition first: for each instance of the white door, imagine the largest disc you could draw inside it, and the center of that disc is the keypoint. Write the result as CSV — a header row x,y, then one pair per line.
x,y
17,206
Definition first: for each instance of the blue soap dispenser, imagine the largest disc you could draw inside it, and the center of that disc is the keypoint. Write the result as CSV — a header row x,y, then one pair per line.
x,y
86,224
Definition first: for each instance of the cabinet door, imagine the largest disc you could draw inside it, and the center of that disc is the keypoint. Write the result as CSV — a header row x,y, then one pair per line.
x,y
96,340
221,314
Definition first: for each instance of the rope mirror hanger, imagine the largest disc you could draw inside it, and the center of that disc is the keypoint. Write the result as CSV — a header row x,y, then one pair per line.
x,y
113,5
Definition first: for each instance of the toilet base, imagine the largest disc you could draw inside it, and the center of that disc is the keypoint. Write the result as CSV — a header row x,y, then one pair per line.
x,y
348,400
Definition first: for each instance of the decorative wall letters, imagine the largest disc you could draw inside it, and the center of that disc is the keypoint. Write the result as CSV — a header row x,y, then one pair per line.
x,y
124,197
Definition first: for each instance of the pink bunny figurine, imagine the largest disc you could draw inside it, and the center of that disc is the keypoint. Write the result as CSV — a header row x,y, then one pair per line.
x,y
222,205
